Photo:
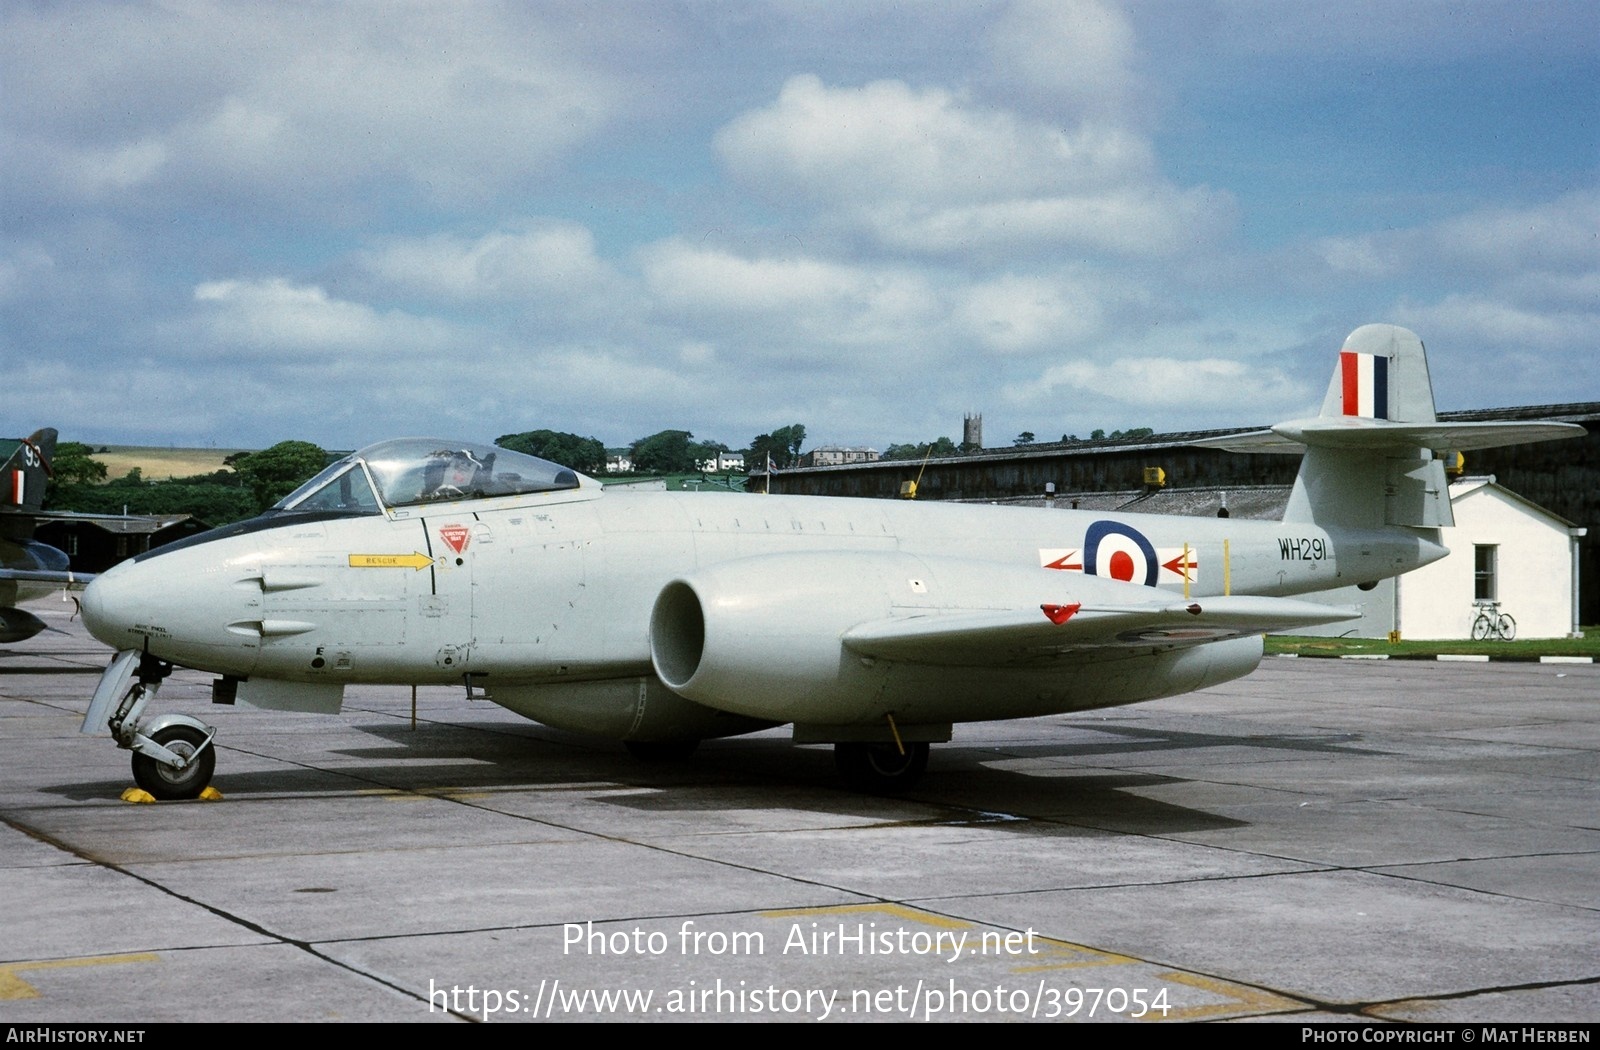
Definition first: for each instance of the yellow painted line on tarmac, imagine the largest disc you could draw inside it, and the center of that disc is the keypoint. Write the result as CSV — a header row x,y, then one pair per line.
x,y
1069,956
1242,998
14,987
1055,955
896,911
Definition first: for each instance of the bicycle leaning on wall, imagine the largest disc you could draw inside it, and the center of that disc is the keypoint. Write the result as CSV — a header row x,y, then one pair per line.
x,y
1491,623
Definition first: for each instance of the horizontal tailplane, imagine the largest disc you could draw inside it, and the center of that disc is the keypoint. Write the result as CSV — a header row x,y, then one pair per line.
x,y
1369,455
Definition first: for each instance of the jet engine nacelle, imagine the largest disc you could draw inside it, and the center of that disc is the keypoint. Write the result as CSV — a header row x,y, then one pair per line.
x,y
763,637
18,625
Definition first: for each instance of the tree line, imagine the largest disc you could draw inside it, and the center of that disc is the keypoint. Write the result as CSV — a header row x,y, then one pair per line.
x,y
257,480
664,452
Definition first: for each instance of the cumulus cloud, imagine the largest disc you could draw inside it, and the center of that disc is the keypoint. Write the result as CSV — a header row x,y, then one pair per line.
x,y
1168,382
1017,315
1485,320
778,303
928,170
889,139
1078,55
1523,297
963,195
1153,220
544,261
140,396
1560,235
296,101
277,317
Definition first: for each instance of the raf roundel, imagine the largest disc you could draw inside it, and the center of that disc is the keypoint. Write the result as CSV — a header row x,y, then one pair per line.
x,y
1119,552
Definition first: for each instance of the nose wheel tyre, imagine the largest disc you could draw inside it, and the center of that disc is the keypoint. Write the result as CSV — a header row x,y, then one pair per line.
x,y
881,769
166,783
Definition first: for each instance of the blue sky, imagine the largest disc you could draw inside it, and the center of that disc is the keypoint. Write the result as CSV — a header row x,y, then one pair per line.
x,y
234,224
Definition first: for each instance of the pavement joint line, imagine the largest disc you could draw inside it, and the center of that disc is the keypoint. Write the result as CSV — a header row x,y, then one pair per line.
x,y
223,914
1472,993
473,804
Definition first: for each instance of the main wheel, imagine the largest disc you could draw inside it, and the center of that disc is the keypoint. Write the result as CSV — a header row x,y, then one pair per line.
x,y
1507,627
881,769
1481,627
167,783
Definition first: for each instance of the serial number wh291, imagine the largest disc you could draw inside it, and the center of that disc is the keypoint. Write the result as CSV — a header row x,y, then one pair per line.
x,y
1305,548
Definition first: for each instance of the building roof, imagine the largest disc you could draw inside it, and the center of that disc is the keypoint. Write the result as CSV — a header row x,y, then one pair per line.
x,y
119,524
1468,486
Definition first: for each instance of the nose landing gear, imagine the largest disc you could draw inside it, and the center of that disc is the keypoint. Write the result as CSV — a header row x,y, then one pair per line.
x,y
172,753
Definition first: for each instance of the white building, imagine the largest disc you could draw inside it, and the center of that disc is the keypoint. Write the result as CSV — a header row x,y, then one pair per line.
x,y
723,462
1502,549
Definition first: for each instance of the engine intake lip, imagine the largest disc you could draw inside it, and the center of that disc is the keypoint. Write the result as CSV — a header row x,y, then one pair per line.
x,y
677,634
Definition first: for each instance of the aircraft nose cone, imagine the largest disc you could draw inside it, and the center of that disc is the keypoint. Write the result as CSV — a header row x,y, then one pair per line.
x,y
107,610
185,606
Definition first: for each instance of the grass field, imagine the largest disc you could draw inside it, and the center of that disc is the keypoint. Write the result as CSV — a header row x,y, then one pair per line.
x,y
1532,649
159,464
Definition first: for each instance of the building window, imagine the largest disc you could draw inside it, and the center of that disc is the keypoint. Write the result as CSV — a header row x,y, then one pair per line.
x,y
1484,560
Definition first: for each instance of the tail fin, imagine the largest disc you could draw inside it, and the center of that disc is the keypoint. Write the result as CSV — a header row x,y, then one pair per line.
x,y
27,470
1382,374
1369,456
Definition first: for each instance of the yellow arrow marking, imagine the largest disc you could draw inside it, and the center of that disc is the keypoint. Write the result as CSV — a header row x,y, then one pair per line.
x,y
416,560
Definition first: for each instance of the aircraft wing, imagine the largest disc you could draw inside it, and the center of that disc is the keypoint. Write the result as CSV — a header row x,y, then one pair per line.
x,y
55,578
1015,636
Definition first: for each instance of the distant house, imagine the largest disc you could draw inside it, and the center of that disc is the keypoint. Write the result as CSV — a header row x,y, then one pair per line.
x,y
838,455
619,461
722,463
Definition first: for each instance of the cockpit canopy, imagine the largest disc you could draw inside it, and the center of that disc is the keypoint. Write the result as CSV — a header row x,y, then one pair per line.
x,y
410,471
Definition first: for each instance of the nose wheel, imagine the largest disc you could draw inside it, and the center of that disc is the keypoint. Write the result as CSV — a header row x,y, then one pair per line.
x,y
192,747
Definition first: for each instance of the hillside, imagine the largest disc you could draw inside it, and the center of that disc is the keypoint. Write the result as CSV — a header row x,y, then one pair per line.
x,y
159,464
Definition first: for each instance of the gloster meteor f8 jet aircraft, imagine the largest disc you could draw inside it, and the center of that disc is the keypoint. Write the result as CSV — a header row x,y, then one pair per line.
x,y
661,619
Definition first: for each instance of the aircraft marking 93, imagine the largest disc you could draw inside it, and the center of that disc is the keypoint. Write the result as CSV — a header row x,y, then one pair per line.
x,y
661,619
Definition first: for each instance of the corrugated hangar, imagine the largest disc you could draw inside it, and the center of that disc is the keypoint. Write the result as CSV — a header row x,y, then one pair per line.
x,y
1551,489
